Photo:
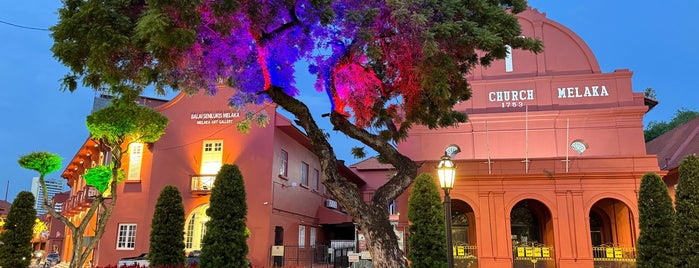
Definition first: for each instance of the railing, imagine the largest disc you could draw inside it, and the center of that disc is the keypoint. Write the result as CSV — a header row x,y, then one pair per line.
x,y
533,255
321,256
202,183
465,256
614,256
80,200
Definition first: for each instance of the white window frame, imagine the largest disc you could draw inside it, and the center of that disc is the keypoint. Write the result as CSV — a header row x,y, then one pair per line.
x,y
135,160
302,236
126,236
304,173
393,208
312,237
315,180
509,67
284,163
211,157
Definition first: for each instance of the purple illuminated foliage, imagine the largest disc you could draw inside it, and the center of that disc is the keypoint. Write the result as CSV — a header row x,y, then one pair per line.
x,y
261,42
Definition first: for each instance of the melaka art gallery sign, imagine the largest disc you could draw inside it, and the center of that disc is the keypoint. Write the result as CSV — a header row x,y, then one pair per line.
x,y
522,97
212,118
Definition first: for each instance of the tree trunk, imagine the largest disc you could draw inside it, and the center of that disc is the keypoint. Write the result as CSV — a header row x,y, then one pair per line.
x,y
81,251
371,217
381,239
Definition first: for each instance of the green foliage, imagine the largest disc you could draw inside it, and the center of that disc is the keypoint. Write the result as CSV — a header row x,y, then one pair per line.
x,y
167,230
649,92
655,129
42,162
225,242
358,152
243,126
99,177
262,119
657,224
258,118
16,250
124,120
687,207
427,238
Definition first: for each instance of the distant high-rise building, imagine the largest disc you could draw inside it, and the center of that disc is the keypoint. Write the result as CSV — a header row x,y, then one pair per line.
x,y
53,187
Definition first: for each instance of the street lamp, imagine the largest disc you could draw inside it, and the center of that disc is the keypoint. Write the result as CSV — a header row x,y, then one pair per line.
x,y
447,171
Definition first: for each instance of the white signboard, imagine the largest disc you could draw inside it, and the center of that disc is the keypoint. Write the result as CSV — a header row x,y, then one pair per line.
x,y
211,118
366,255
353,257
277,251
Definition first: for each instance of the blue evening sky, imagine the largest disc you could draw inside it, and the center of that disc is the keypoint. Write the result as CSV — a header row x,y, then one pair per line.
x,y
654,39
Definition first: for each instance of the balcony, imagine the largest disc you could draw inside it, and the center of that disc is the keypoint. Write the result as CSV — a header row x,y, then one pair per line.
x,y
202,184
81,200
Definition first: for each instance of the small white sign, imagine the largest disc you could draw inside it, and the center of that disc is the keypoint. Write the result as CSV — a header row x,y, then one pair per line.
x,y
353,257
366,255
277,251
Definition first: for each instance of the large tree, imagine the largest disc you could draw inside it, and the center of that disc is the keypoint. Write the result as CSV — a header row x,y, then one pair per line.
x,y
225,241
167,230
687,207
655,128
427,239
112,128
385,66
16,247
657,223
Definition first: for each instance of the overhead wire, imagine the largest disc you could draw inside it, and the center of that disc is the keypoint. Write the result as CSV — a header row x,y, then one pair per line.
x,y
23,27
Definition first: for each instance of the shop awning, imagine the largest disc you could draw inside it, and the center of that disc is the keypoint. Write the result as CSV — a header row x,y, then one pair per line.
x,y
331,216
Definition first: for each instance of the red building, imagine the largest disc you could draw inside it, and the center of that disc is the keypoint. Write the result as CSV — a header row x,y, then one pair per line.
x,y
287,205
551,158
56,228
673,147
549,169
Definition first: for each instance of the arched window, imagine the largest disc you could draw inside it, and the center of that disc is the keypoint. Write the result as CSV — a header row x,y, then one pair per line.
x,y
196,228
524,225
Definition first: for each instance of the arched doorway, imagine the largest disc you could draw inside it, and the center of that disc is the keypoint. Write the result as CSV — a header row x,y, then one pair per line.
x,y
612,232
463,233
531,226
195,228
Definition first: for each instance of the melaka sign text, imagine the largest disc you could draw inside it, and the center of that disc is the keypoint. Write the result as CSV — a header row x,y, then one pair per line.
x,y
577,92
210,118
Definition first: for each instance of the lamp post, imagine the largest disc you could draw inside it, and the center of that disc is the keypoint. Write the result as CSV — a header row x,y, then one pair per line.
x,y
447,171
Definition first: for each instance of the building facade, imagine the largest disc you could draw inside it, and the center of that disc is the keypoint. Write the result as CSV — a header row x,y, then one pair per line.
x,y
56,228
53,187
287,205
551,158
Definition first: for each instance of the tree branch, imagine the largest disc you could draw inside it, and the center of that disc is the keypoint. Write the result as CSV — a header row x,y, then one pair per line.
x,y
267,37
405,167
338,185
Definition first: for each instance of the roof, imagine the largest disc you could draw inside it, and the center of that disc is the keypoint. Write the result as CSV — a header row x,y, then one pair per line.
x,y
4,207
675,145
371,163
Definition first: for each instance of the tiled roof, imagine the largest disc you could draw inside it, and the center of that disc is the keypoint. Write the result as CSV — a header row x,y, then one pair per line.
x,y
370,163
673,146
4,207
